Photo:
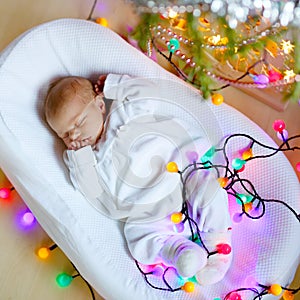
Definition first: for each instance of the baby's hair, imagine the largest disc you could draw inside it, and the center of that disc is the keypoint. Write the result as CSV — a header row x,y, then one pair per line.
x,y
63,90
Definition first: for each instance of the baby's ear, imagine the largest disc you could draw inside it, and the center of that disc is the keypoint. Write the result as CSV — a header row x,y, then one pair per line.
x,y
100,102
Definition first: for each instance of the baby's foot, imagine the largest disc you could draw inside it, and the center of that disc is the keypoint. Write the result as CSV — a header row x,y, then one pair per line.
x,y
217,264
186,256
215,270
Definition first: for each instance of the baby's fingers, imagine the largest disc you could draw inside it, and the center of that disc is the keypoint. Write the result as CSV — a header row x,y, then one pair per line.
x,y
74,145
85,142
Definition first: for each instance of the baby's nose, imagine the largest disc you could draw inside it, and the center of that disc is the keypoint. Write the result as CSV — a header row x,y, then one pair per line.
x,y
74,134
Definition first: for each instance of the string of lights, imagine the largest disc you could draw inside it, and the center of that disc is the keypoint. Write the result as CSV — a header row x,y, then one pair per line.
x,y
252,205
229,176
273,78
92,10
63,279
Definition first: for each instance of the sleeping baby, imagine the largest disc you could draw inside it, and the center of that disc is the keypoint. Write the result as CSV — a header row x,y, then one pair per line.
x,y
120,135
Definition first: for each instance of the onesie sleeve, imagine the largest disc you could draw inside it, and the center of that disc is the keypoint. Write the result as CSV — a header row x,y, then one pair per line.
x,y
82,167
124,87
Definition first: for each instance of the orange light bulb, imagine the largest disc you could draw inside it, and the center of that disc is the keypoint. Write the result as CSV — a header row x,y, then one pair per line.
x,y
288,295
223,181
248,207
217,99
188,287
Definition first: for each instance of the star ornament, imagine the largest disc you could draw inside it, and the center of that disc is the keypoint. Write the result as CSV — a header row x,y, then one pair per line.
x,y
289,75
286,46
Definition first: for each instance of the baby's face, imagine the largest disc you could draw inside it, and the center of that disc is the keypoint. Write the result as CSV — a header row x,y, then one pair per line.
x,y
79,124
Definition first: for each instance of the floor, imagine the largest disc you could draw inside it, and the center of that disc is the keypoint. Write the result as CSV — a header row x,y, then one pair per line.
x,y
23,275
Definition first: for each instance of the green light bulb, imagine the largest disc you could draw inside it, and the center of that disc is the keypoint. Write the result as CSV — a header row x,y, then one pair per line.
x,y
64,279
173,45
208,155
241,198
238,163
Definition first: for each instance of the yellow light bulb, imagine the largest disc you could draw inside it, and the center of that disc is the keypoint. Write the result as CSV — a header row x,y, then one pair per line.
x,y
102,21
172,167
247,154
275,289
176,218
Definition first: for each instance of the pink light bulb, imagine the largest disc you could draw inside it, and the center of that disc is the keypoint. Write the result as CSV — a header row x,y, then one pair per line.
x,y
192,156
178,227
158,270
25,220
298,166
28,218
278,125
261,79
237,218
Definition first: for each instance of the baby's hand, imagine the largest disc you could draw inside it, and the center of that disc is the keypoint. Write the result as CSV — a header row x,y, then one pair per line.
x,y
99,86
75,145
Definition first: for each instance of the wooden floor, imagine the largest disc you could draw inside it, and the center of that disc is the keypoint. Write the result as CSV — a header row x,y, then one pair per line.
x,y
22,275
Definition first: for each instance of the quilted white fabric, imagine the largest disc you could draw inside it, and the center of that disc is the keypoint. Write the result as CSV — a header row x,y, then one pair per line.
x,y
267,249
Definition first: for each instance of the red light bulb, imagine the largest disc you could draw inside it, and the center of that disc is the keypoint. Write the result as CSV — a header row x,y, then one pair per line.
x,y
241,169
223,249
4,193
234,296
274,75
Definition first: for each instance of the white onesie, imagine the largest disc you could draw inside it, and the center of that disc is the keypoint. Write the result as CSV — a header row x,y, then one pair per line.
x,y
125,176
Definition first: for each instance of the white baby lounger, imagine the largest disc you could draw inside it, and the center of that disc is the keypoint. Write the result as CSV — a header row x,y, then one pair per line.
x,y
267,249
